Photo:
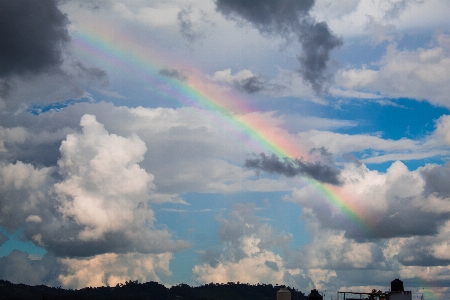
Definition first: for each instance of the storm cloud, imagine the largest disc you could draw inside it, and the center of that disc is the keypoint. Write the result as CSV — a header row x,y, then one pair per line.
x,y
293,167
287,18
32,34
173,73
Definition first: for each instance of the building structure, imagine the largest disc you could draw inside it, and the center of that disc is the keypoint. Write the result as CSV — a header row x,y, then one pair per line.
x,y
397,292
283,294
314,295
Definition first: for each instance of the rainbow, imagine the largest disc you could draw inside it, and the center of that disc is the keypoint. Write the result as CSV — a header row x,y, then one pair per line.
x,y
423,286
121,50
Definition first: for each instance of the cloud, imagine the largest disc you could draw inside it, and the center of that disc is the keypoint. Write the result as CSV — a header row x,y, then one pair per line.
x,y
190,19
173,73
186,146
244,80
17,267
32,36
249,255
164,143
106,269
436,179
333,251
90,74
104,191
36,64
380,33
86,164
24,192
286,18
425,252
159,14
299,123
94,201
339,143
327,173
389,205
3,238
242,222
110,269
443,128
418,74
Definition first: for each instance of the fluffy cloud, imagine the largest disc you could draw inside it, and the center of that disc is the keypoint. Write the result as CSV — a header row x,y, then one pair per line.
x,y
418,74
94,201
248,255
374,149
333,251
443,128
24,192
110,269
129,145
351,18
392,204
101,176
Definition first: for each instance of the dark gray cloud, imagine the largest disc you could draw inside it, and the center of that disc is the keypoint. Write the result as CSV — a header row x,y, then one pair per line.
x,y
437,179
287,18
327,173
5,88
32,34
317,43
417,252
250,85
34,65
3,238
17,267
401,220
60,237
173,73
267,15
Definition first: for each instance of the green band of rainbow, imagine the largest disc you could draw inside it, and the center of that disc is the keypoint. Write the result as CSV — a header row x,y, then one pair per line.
x,y
124,52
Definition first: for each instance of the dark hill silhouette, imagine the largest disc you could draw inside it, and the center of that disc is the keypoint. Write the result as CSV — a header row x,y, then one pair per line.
x,y
149,291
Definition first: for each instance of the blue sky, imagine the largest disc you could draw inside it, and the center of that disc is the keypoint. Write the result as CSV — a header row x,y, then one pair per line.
x,y
107,173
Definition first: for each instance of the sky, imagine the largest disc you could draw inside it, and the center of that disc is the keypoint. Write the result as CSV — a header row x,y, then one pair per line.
x,y
303,143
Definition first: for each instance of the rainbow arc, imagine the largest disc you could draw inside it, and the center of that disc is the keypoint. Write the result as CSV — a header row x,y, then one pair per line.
x,y
126,54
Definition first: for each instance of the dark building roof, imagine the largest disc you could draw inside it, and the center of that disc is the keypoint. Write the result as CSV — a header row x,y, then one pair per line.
x,y
314,295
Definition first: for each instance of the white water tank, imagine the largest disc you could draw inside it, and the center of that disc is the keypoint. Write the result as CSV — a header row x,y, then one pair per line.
x,y
283,294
